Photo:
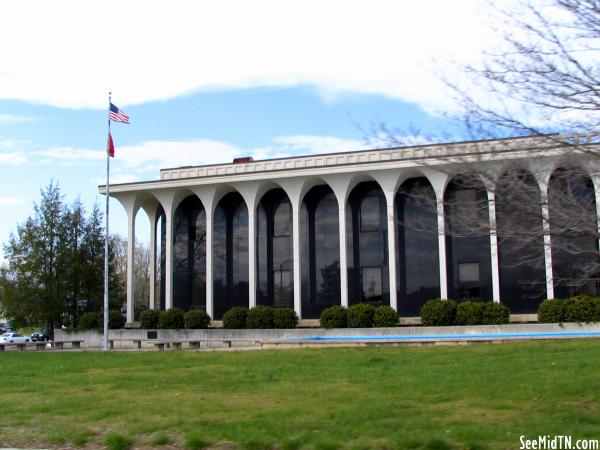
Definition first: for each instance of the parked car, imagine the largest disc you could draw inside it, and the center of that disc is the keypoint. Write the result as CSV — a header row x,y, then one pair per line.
x,y
42,335
13,338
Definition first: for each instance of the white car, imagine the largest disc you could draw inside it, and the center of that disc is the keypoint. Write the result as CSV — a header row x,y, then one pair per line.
x,y
13,338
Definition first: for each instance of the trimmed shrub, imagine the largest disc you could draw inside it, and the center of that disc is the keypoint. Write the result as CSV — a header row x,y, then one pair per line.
x,y
494,313
385,316
260,317
149,319
580,308
285,318
171,319
334,317
196,319
438,312
469,312
596,301
116,321
88,321
552,311
235,318
361,316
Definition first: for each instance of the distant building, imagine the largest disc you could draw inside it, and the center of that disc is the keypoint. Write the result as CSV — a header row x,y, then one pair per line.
x,y
373,226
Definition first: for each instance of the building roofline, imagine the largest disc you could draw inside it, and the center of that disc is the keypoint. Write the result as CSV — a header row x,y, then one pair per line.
x,y
407,147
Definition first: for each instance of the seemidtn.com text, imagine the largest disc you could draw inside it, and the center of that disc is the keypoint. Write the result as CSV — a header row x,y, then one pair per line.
x,y
559,442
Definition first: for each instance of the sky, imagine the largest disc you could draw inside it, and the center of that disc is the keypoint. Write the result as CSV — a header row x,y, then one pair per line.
x,y
204,82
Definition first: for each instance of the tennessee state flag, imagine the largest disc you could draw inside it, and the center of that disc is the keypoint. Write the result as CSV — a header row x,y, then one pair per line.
x,y
110,148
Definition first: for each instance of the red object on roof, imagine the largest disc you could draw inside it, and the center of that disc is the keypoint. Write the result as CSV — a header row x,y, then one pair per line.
x,y
245,159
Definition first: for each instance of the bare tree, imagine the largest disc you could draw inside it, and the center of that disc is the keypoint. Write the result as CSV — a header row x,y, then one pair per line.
x,y
543,81
546,75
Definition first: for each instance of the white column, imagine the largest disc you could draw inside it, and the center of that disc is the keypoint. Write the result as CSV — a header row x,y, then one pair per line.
x,y
152,218
547,240
130,259
343,255
596,181
251,256
494,247
392,251
209,261
296,256
442,246
169,259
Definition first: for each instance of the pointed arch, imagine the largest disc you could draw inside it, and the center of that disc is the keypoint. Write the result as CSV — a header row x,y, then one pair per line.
x,y
520,241
274,257
366,221
417,245
468,255
230,254
574,232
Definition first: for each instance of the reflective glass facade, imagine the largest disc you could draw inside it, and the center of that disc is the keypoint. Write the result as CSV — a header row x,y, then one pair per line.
x,y
366,225
230,254
520,242
520,206
417,246
189,255
573,227
274,256
468,259
320,251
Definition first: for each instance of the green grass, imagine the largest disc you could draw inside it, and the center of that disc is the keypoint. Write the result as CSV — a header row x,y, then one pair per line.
x,y
449,397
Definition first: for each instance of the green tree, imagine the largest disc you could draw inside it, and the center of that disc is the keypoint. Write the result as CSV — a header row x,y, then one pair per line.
x,y
55,269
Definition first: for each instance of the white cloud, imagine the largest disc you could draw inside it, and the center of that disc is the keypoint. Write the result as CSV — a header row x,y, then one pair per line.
x,y
66,55
11,201
12,144
12,158
309,144
70,155
132,161
8,118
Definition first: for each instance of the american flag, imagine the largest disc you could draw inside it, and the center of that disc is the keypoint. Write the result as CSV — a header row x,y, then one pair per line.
x,y
116,115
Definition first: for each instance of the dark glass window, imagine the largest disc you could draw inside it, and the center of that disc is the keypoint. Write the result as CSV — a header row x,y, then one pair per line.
x,y
320,251
230,254
366,221
418,246
189,255
274,250
574,233
467,239
520,242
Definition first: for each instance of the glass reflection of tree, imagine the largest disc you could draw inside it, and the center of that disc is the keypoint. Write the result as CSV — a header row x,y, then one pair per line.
x,y
371,289
329,292
282,294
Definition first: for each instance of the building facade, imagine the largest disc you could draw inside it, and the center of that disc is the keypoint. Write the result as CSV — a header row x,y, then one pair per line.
x,y
387,227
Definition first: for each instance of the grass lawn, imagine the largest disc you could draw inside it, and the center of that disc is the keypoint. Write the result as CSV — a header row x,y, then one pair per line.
x,y
475,396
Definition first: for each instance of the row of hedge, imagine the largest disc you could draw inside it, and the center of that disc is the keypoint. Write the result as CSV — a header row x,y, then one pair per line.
x,y
359,316
435,312
580,308
260,317
174,319
470,312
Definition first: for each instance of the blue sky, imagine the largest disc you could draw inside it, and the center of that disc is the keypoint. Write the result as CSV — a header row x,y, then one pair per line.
x,y
204,82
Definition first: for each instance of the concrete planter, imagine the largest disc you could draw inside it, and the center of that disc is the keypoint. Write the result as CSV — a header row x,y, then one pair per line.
x,y
124,338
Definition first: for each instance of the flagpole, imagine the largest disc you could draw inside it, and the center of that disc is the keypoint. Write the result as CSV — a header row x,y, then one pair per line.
x,y
106,235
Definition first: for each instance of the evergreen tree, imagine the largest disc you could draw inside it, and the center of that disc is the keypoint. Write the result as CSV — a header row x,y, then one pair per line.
x,y
55,267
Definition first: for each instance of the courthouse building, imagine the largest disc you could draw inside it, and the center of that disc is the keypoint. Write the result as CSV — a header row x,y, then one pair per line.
x,y
370,226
